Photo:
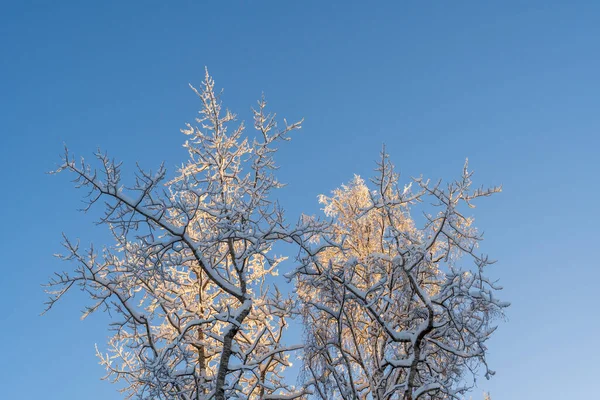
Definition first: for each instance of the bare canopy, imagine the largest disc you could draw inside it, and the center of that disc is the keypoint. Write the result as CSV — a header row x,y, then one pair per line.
x,y
392,308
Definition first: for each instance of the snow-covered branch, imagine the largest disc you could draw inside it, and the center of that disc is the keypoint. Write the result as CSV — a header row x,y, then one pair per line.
x,y
394,310
186,276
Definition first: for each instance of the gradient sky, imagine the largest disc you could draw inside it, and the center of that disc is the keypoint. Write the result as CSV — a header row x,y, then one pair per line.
x,y
514,86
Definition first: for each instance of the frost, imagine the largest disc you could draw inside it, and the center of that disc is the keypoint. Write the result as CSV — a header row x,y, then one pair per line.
x,y
185,278
388,313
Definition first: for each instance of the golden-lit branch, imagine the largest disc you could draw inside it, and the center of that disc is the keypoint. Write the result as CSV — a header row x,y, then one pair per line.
x,y
388,311
185,277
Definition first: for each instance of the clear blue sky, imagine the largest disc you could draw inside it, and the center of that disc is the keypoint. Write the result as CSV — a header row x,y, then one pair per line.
x,y
514,86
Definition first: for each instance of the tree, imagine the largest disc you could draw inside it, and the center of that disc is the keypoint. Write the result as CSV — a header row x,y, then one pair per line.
x,y
187,271
388,311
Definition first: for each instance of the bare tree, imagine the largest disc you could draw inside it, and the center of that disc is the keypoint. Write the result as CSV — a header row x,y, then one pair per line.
x,y
186,275
389,311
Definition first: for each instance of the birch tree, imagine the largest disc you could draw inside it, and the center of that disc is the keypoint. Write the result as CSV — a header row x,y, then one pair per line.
x,y
186,279
394,308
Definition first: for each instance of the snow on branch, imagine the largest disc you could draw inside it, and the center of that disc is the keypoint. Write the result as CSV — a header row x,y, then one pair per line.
x,y
185,278
394,310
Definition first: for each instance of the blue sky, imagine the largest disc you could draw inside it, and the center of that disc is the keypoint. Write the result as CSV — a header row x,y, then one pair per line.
x,y
514,86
